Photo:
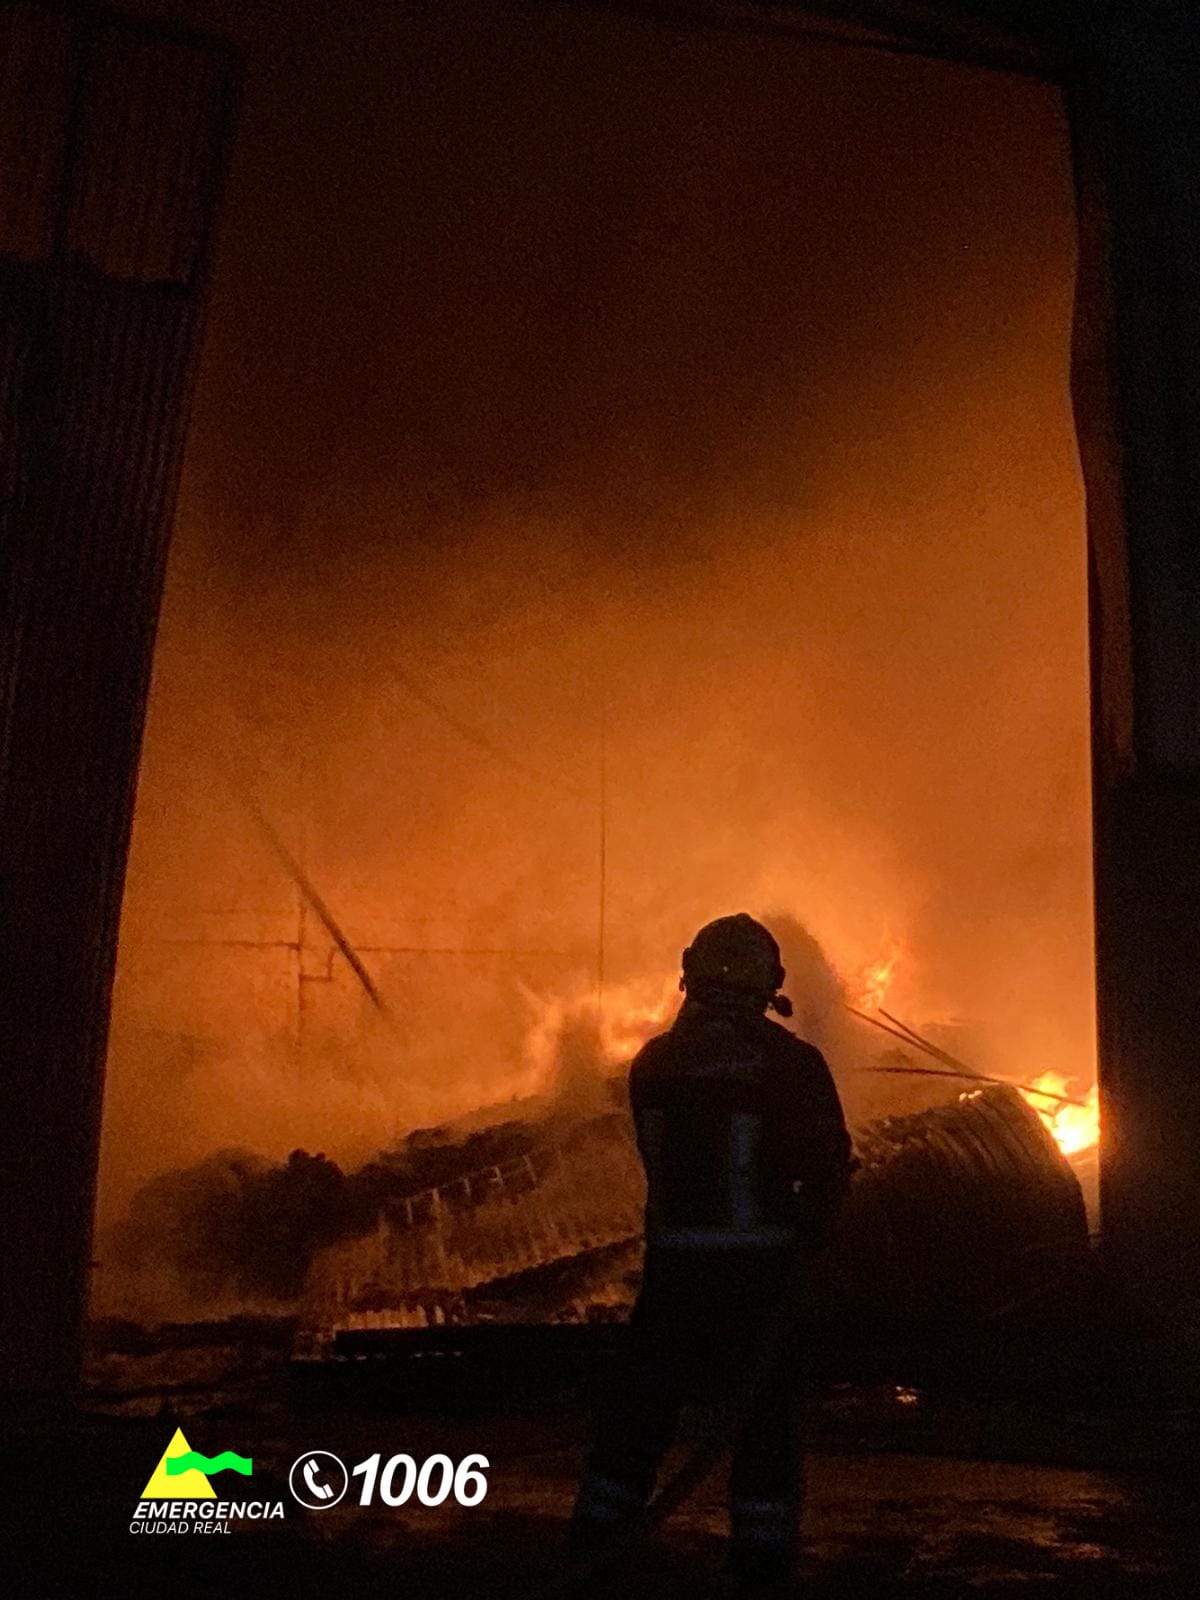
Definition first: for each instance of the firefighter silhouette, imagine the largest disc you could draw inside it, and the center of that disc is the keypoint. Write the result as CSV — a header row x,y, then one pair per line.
x,y
747,1157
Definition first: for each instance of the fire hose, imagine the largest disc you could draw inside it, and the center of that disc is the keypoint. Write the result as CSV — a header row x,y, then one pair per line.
x,y
731,1418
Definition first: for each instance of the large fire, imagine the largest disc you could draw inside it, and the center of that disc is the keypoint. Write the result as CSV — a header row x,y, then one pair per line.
x,y
1073,1121
619,534
1071,1116
620,1022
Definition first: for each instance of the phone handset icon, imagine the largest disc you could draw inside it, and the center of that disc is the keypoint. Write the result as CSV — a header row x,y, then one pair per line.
x,y
318,1480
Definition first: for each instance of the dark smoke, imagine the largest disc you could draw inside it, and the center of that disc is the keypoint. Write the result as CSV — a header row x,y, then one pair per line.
x,y
235,1230
574,385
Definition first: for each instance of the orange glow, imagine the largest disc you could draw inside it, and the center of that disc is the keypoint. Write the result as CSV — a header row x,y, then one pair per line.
x,y
589,1029
1075,1126
698,518
874,981
632,1015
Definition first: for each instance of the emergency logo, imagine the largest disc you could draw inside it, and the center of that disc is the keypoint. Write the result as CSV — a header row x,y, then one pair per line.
x,y
178,1497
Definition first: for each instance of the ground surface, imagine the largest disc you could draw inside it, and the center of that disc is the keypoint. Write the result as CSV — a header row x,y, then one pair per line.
x,y
908,1494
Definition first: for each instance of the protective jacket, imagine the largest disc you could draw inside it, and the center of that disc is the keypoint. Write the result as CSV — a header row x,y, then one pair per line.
x,y
741,1134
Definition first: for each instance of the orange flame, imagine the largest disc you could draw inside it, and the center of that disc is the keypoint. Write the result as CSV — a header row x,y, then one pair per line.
x,y
1074,1125
630,1016
874,981
607,1032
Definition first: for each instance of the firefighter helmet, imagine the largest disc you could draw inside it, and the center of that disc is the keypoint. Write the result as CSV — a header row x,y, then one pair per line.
x,y
735,953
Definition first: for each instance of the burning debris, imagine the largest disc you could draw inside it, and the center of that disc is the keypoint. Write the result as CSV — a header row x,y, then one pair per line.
x,y
968,1207
572,1199
1074,1124
533,1211
236,1232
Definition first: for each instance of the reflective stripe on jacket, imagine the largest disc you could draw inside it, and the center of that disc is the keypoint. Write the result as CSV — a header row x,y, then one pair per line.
x,y
741,1133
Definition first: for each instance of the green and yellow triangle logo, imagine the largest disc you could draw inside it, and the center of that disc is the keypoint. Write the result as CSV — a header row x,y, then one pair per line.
x,y
188,1485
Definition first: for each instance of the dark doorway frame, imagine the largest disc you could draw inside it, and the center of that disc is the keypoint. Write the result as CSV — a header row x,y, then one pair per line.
x,y
1134,117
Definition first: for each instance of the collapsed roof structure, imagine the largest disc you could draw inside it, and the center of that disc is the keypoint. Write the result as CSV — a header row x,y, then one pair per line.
x,y
968,1209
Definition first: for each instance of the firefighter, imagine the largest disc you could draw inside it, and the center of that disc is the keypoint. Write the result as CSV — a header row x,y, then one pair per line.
x,y
746,1155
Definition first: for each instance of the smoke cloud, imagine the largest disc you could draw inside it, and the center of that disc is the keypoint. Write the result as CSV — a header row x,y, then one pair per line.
x,y
233,1232
589,409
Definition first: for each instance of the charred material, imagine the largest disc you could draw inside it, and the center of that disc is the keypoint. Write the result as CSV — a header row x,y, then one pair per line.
x,y
513,1240
967,1212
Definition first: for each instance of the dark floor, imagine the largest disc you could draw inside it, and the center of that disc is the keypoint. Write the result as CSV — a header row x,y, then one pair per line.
x,y
910,1493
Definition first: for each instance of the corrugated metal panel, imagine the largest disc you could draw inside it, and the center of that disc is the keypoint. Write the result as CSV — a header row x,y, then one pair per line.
x,y
966,1212
37,63
110,196
140,187
563,1200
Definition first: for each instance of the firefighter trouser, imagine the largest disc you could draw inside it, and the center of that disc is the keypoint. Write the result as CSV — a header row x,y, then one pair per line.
x,y
693,1332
